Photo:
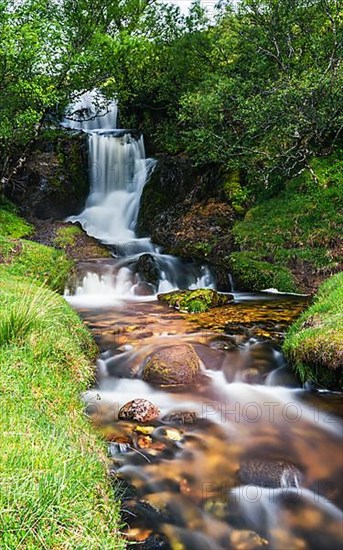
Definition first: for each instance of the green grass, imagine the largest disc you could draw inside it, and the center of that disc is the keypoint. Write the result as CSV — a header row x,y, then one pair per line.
x,y
22,258
301,227
11,225
66,236
41,263
258,275
54,488
314,343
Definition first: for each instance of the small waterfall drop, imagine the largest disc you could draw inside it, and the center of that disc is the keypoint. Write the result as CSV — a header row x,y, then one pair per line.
x,y
118,172
90,112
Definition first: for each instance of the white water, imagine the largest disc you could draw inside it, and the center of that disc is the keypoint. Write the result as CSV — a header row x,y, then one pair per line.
x,y
90,111
118,172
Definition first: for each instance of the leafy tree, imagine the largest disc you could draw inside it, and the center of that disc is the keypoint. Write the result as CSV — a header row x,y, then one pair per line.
x,y
48,50
259,89
275,99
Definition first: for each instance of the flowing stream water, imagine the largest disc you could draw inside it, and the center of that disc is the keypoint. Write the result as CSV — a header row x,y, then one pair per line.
x,y
244,457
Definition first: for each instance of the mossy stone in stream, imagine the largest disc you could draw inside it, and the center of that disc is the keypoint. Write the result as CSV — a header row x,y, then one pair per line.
x,y
195,301
172,366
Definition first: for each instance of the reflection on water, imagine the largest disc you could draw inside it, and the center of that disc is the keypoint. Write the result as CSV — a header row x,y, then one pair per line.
x,y
243,459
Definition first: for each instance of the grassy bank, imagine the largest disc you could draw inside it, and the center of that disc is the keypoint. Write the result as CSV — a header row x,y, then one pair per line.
x,y
20,257
54,488
293,241
314,343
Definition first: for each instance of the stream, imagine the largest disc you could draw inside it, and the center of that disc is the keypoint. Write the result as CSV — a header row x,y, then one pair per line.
x,y
243,457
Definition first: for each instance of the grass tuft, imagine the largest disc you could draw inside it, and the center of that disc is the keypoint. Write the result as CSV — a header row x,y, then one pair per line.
x,y
66,236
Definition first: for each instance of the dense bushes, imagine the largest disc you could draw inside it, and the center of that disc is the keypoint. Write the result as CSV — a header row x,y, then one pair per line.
x,y
259,90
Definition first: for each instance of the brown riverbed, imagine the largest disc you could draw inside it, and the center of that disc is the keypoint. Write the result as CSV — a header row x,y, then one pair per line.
x,y
258,462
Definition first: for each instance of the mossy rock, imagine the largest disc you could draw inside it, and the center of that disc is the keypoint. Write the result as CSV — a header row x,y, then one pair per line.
x,y
172,366
195,301
55,180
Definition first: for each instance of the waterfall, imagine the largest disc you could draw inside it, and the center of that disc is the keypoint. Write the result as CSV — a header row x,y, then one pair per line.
x,y
118,172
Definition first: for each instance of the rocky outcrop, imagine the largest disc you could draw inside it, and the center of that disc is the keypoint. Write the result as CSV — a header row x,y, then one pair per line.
x,y
54,182
188,213
172,366
148,270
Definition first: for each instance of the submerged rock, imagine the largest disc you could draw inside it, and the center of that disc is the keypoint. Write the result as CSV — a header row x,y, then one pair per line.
x,y
252,376
180,417
269,473
139,410
172,366
246,540
195,301
144,289
223,342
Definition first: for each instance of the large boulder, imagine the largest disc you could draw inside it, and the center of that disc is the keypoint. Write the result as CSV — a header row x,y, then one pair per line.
x,y
172,366
195,301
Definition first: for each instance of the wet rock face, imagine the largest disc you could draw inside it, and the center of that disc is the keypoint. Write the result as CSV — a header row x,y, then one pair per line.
x,y
172,366
148,270
170,183
54,182
269,473
139,410
195,301
200,230
185,210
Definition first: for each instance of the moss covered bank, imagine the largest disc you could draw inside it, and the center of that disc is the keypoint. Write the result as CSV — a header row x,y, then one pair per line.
x,y
291,241
314,343
54,488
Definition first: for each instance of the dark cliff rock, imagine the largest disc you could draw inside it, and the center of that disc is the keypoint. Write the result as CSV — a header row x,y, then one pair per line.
x,y
53,183
186,211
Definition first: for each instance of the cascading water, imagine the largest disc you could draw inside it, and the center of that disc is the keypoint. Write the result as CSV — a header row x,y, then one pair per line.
x,y
118,172
238,457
